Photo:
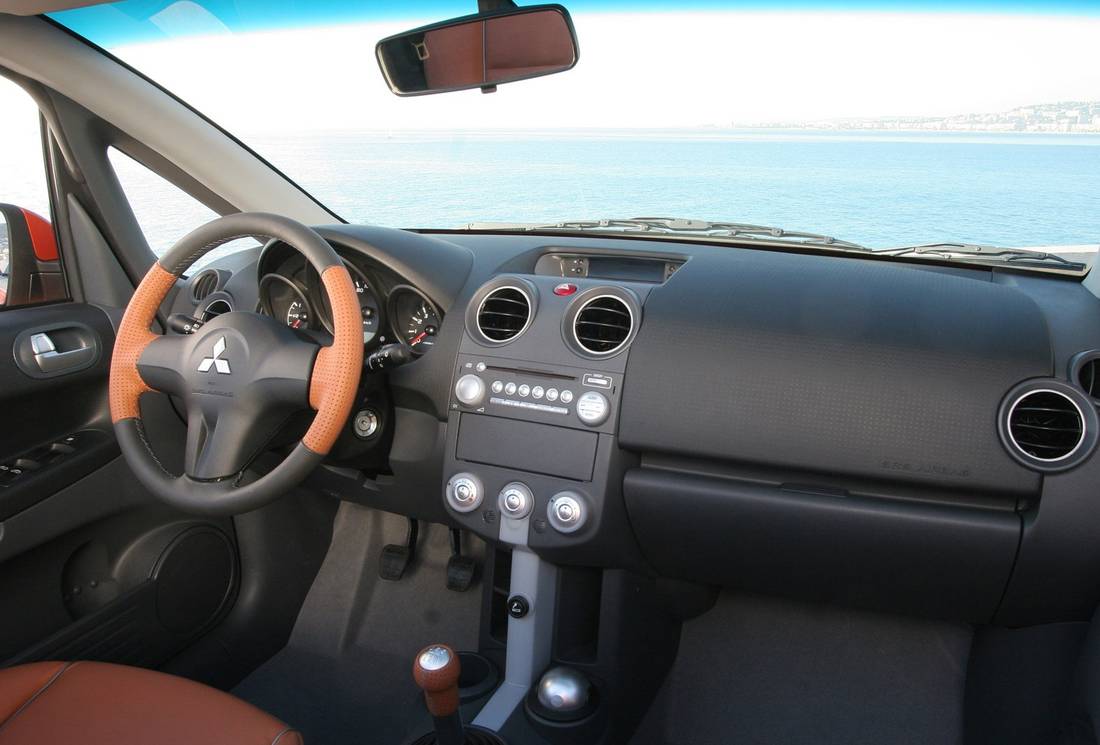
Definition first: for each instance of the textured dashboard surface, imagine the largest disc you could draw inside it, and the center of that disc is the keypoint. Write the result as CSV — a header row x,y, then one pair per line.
x,y
854,367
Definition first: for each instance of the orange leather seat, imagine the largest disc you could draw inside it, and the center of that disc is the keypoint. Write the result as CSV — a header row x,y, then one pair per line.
x,y
92,703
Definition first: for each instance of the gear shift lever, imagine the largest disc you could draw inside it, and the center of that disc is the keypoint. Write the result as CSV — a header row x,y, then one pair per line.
x,y
436,671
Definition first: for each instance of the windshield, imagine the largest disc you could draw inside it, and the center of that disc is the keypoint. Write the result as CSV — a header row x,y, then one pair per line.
x,y
884,127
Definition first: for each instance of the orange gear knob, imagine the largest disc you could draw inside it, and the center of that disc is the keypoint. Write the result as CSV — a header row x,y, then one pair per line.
x,y
436,670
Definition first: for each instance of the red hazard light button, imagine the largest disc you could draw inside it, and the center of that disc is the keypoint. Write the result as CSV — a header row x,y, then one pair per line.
x,y
565,288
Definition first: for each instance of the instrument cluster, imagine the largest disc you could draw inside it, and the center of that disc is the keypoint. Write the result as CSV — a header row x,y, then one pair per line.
x,y
292,293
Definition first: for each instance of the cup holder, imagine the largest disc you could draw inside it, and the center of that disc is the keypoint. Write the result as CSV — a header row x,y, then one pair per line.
x,y
478,676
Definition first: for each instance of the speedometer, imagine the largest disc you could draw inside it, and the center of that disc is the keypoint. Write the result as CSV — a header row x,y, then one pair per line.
x,y
414,317
369,307
368,304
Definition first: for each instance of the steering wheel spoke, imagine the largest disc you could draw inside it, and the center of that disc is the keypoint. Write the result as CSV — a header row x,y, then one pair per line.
x,y
218,449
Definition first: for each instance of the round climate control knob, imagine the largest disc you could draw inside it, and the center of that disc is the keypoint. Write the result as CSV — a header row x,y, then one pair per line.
x,y
593,408
464,492
470,390
566,512
515,500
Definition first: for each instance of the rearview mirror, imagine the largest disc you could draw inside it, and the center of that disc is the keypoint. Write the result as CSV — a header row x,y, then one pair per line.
x,y
479,51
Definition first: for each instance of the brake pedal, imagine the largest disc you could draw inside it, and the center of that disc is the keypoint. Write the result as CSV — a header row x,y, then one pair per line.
x,y
461,570
396,558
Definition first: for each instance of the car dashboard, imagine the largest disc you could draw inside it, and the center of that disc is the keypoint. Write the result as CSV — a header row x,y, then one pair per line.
x,y
905,435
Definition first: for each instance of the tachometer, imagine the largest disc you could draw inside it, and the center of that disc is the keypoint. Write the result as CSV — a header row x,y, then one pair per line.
x,y
415,319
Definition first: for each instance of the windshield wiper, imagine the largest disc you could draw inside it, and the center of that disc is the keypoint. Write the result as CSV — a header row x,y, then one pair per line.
x,y
679,226
976,252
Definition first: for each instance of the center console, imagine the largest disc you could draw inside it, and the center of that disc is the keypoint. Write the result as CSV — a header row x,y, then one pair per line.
x,y
532,465
532,456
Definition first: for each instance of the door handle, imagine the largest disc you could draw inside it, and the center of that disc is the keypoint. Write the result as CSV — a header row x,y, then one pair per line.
x,y
50,360
57,349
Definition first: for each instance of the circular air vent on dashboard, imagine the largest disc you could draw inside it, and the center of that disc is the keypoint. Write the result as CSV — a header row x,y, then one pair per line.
x,y
203,284
504,314
1048,425
1084,369
215,308
603,325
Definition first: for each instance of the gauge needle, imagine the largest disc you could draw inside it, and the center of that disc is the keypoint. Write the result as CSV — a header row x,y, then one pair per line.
x,y
297,323
418,338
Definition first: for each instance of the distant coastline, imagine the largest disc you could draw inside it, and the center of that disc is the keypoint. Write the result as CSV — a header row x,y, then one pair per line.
x,y
1065,117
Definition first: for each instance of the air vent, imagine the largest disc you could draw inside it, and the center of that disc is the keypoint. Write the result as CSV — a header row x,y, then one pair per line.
x,y
216,308
1088,375
1046,425
203,284
504,314
603,325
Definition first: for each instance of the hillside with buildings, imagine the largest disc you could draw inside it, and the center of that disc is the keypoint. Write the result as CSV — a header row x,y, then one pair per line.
x,y
1067,116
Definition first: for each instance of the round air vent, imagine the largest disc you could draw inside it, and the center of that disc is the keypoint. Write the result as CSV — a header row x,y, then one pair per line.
x,y
1084,369
1048,425
504,314
603,325
217,307
1089,377
203,284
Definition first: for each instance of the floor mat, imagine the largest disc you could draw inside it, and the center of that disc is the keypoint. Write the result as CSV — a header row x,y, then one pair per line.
x,y
346,674
755,671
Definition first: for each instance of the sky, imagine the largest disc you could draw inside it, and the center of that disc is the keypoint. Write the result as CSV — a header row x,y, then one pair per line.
x,y
701,67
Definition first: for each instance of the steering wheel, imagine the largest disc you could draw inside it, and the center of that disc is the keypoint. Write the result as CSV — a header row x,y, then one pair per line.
x,y
241,377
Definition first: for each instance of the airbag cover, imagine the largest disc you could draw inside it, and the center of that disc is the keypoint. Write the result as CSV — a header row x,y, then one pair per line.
x,y
870,368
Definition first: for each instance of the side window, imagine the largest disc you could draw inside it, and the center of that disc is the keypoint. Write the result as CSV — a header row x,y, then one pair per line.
x,y
165,213
30,268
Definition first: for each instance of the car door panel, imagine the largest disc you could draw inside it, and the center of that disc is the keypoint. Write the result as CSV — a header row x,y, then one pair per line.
x,y
91,566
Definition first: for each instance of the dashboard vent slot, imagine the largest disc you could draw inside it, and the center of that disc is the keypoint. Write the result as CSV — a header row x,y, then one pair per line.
x,y
603,325
204,284
504,314
1047,425
1089,377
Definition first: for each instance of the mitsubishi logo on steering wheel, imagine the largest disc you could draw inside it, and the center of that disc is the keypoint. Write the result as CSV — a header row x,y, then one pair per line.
x,y
219,365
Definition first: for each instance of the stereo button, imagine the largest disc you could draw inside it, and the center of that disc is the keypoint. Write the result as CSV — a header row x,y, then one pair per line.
x,y
524,390
552,394
470,390
567,396
593,408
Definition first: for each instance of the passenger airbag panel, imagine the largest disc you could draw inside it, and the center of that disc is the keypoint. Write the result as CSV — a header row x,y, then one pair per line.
x,y
853,367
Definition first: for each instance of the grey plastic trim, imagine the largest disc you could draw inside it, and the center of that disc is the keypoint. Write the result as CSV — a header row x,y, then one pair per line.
x,y
102,279
529,638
